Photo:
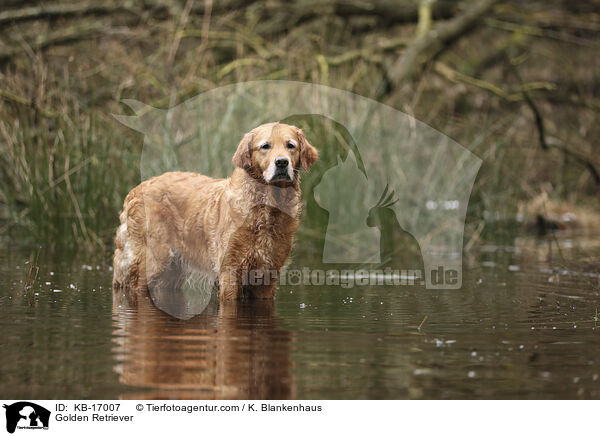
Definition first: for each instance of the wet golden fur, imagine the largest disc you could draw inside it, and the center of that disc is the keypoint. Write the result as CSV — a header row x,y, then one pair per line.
x,y
181,224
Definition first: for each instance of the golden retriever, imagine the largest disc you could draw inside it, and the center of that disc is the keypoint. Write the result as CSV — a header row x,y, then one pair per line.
x,y
183,224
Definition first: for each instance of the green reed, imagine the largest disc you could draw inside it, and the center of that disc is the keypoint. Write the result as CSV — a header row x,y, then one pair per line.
x,y
63,181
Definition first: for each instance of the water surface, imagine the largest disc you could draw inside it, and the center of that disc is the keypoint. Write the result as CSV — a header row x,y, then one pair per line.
x,y
524,325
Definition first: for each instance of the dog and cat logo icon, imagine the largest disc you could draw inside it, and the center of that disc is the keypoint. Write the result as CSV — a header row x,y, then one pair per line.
x,y
26,415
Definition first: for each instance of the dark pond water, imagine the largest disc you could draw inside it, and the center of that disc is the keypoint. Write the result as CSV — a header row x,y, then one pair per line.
x,y
524,325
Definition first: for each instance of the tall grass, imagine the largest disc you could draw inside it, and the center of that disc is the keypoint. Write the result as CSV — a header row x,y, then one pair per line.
x,y
62,181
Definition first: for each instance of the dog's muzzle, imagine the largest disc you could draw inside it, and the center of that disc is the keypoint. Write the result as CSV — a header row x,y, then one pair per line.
x,y
282,169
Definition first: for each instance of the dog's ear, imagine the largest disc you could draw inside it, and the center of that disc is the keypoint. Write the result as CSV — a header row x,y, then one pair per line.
x,y
308,153
242,158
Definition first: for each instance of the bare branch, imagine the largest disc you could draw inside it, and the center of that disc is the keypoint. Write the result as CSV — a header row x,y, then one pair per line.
x,y
427,47
60,10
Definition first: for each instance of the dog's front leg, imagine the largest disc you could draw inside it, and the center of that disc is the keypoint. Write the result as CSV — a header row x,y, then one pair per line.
x,y
264,291
266,284
230,283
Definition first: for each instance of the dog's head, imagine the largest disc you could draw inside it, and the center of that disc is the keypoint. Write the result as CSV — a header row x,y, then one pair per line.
x,y
275,152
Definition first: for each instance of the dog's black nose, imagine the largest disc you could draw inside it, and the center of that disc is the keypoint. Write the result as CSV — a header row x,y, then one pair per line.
x,y
281,162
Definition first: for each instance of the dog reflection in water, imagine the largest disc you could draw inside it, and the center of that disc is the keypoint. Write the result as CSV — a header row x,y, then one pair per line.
x,y
234,350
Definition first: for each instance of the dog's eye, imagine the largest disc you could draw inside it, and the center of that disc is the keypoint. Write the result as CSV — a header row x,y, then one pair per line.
x,y
291,145
265,146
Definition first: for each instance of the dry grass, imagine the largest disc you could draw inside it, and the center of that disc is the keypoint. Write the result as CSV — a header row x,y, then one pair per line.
x,y
65,164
